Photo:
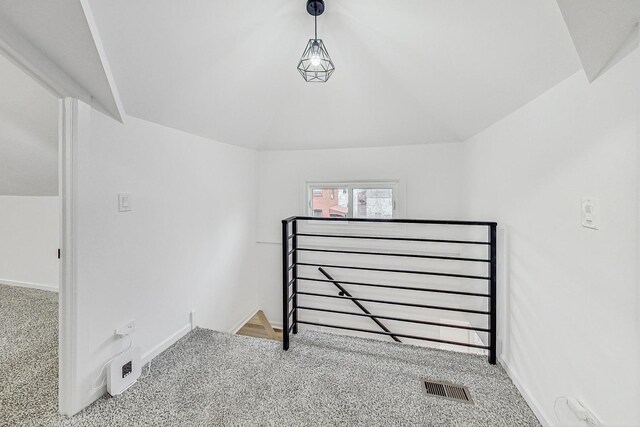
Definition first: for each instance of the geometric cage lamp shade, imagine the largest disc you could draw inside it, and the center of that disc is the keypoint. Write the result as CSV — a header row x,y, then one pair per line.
x,y
315,64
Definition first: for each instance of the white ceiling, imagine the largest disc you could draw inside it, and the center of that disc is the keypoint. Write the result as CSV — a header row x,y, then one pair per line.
x,y
602,31
407,71
28,135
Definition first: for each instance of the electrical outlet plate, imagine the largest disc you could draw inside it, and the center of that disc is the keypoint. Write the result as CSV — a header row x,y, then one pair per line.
x,y
123,371
126,329
590,417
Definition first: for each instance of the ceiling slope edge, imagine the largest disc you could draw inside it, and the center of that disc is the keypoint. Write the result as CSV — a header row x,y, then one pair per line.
x,y
629,45
603,33
35,63
97,42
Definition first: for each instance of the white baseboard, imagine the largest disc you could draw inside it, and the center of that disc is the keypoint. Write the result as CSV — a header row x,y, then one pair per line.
x,y
49,288
526,394
165,344
244,320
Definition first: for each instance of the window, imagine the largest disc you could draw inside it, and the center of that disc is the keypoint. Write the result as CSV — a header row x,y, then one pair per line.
x,y
352,200
373,203
329,202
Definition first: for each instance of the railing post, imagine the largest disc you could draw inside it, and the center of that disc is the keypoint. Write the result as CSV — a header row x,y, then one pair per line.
x,y
285,285
492,293
294,260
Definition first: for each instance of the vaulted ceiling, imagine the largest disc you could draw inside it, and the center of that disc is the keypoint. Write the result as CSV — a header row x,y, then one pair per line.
x,y
407,71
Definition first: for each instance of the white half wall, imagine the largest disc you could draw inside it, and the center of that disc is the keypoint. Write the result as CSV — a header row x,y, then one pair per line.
x,y
570,293
187,244
29,227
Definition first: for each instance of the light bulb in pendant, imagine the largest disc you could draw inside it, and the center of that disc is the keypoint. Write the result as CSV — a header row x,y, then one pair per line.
x,y
315,54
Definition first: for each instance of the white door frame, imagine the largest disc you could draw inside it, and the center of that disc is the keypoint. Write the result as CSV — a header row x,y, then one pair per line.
x,y
68,400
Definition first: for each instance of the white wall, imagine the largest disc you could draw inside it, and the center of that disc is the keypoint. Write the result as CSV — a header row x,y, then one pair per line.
x,y
431,180
28,135
187,244
29,227
571,292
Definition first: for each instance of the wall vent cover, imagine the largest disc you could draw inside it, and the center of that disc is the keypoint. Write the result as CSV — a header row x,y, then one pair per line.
x,y
446,390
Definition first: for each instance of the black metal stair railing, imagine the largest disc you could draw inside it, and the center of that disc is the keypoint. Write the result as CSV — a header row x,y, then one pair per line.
x,y
290,264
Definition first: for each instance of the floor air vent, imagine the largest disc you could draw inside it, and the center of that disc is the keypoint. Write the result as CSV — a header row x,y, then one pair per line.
x,y
446,391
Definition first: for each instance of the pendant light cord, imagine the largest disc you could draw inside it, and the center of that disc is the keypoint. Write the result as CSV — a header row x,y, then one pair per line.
x,y
315,19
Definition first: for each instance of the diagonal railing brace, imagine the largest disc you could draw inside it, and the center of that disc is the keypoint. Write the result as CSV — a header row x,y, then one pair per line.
x,y
344,292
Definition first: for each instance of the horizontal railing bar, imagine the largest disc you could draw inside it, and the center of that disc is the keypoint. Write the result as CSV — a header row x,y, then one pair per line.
x,y
292,280
406,304
394,221
404,288
415,337
292,311
428,273
402,239
291,297
291,327
398,319
337,251
291,251
290,268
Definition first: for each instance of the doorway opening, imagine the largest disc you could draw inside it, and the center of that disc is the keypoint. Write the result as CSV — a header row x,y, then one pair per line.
x,y
30,226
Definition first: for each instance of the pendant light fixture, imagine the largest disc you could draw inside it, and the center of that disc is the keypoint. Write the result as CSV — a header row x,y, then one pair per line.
x,y
315,64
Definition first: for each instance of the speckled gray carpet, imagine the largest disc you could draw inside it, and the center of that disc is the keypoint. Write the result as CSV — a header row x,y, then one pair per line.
x,y
28,356
214,379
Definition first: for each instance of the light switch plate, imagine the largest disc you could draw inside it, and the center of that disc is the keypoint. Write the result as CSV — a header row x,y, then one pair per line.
x,y
124,202
590,212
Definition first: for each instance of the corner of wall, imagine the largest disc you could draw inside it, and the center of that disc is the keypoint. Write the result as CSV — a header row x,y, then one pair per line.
x,y
535,406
